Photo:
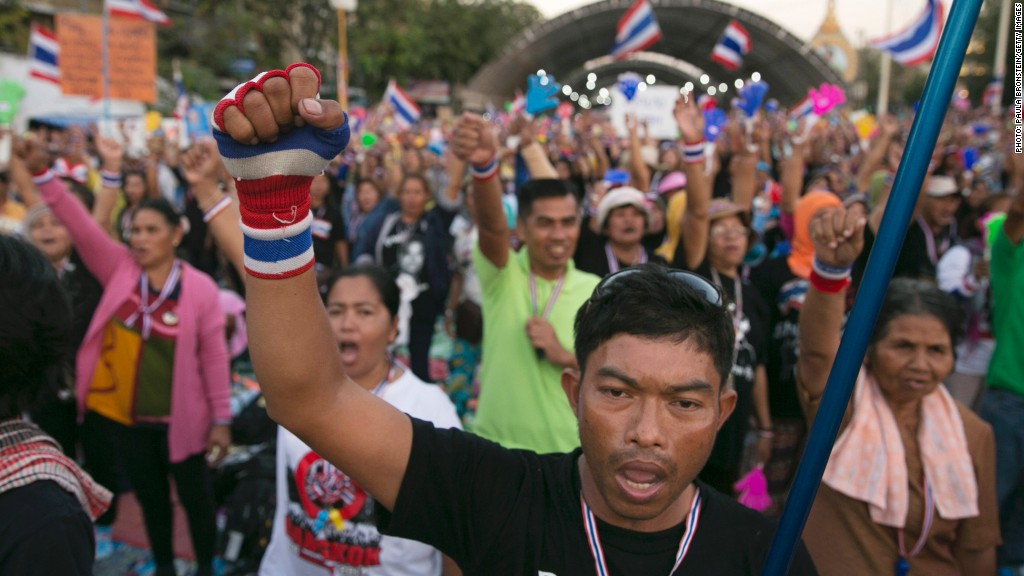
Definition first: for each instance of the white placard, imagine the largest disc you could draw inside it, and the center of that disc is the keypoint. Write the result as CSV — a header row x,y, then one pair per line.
x,y
653,105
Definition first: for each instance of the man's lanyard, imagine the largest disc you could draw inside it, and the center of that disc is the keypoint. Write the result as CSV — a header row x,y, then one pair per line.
x,y
613,262
551,299
590,525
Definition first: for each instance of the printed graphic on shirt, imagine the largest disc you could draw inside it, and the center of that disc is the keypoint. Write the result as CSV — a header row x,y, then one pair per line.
x,y
330,519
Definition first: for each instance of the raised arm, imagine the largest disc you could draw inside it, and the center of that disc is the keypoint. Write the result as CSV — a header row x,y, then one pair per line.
x,y
111,181
638,169
743,167
287,324
101,253
838,237
536,159
694,229
793,177
888,129
202,166
474,143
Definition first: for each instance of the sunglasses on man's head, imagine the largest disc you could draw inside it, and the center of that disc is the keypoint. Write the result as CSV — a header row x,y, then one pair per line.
x,y
712,294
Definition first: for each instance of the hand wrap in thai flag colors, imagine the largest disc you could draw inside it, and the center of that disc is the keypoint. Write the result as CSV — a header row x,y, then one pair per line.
x,y
273,181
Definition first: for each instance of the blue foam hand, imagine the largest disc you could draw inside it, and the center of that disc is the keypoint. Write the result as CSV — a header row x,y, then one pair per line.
x,y
714,121
628,84
542,94
751,97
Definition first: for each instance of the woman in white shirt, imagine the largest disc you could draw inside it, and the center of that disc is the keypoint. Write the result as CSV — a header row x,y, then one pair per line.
x,y
324,522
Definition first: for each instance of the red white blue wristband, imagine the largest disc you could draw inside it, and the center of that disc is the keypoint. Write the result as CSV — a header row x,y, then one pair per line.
x,y
829,279
274,253
485,171
110,179
217,208
693,153
831,272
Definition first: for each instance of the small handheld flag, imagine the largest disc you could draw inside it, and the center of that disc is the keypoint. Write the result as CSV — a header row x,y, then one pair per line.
x,y
406,111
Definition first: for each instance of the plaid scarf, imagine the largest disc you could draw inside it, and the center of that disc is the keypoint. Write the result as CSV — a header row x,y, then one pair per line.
x,y
28,455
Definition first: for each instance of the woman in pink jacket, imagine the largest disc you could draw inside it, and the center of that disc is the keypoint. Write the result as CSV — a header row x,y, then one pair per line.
x,y
153,367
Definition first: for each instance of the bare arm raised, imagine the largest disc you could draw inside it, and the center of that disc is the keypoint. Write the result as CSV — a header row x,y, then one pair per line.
x,y
474,143
838,237
350,427
690,120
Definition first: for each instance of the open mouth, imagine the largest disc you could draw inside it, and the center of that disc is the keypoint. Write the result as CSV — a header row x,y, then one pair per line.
x,y
640,482
349,352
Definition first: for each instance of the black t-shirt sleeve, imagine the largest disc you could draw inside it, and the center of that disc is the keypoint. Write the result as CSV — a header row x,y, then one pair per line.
x,y
43,530
463,495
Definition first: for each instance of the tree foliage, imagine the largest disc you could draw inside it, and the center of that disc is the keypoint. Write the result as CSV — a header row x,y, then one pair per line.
x,y
403,39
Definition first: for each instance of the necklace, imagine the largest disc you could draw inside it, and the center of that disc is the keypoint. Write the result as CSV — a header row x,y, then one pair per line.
x,y
903,564
379,388
550,305
613,262
594,540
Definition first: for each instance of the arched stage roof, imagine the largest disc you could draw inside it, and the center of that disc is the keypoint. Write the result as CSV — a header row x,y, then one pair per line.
x,y
577,43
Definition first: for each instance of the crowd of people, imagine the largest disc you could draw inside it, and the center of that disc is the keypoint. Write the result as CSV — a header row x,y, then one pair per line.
x,y
655,319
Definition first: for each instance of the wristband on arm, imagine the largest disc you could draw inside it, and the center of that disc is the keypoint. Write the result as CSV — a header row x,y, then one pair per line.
x,y
273,181
829,279
693,152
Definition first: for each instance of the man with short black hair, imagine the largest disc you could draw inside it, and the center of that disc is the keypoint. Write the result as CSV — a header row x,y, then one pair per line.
x,y
47,502
653,347
529,300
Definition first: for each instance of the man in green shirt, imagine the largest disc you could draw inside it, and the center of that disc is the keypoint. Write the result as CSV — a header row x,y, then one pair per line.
x,y
1002,406
530,300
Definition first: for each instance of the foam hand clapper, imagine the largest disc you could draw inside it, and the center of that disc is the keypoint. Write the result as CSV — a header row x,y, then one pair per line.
x,y
542,94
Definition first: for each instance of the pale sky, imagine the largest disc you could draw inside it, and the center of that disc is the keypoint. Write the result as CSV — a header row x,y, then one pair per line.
x,y
860,20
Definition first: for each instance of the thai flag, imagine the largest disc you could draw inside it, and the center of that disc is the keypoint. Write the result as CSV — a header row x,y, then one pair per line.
x,y
638,29
732,46
803,109
43,50
917,42
143,9
406,111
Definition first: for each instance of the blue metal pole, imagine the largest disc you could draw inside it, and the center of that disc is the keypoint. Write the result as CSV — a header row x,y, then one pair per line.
x,y
923,134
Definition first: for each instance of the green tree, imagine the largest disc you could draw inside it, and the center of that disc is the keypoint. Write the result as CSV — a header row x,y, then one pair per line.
x,y
978,70
403,39
13,27
431,39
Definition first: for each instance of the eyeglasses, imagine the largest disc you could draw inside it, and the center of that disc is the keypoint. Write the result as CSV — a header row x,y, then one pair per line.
x,y
712,294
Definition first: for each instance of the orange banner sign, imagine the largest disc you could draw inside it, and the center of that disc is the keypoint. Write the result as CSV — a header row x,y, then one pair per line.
x,y
132,57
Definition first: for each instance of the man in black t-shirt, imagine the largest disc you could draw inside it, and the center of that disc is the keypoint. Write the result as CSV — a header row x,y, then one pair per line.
x,y
47,502
653,347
